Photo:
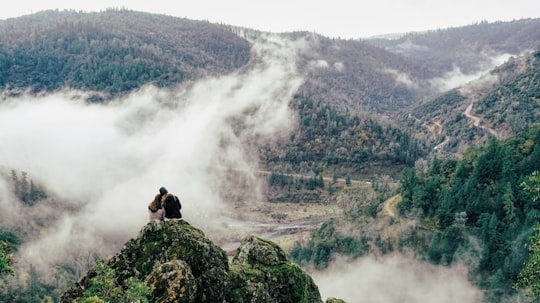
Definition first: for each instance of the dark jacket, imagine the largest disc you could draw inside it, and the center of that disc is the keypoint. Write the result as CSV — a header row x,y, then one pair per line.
x,y
172,206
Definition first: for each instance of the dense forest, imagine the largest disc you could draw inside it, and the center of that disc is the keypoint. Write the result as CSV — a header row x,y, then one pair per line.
x,y
471,209
479,198
112,52
341,142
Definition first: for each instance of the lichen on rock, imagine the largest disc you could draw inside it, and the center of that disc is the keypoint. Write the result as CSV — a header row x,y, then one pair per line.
x,y
254,250
261,272
172,282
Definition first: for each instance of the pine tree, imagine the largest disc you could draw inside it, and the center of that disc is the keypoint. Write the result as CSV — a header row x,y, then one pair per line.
x,y
529,276
6,260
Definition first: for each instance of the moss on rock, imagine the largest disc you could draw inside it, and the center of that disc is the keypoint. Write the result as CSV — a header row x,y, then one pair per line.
x,y
180,264
261,272
254,250
172,282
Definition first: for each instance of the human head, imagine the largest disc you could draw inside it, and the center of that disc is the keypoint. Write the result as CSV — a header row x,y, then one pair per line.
x,y
163,190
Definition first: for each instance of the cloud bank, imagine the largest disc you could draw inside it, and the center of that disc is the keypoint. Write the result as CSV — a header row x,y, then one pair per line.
x,y
107,161
395,279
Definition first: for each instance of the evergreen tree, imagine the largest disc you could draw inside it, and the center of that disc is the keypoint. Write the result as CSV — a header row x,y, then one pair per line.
x,y
434,252
6,259
529,276
508,205
34,290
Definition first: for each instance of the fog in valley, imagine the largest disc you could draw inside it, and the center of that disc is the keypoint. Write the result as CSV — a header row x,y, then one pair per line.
x,y
105,162
395,279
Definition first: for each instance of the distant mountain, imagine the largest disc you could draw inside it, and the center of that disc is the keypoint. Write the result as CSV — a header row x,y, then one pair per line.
x,y
471,48
355,75
117,51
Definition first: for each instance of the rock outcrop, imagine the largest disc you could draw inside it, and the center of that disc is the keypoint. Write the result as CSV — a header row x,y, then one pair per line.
x,y
180,264
261,272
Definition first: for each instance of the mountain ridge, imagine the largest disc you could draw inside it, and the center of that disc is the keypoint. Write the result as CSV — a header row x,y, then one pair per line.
x,y
117,51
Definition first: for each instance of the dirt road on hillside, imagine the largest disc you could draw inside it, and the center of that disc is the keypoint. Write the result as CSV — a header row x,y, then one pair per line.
x,y
326,179
477,121
389,207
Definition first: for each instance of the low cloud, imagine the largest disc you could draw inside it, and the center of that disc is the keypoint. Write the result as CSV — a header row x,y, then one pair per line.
x,y
105,162
395,279
401,77
456,78
319,63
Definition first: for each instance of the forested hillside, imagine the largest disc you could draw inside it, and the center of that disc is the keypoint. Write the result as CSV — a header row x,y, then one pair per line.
x,y
117,51
468,48
355,75
515,104
342,142
505,101
472,209
112,52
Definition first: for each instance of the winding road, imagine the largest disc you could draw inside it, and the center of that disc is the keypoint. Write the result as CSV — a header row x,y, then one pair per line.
x,y
477,121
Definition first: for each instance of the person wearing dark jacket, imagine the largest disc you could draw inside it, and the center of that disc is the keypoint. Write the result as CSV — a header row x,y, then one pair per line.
x,y
171,205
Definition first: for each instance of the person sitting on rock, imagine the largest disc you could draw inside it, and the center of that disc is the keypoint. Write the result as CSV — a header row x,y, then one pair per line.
x,y
155,209
172,207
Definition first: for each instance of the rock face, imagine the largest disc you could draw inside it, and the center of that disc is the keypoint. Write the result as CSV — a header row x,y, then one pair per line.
x,y
180,264
261,272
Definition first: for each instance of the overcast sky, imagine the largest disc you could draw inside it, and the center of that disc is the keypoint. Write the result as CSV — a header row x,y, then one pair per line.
x,y
335,18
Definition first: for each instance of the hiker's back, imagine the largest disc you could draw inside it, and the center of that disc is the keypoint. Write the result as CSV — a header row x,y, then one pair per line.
x,y
172,207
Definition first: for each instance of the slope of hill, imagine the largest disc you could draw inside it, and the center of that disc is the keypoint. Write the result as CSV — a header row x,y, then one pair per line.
x,y
330,138
469,48
112,52
355,75
117,51
470,211
501,104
